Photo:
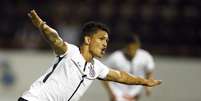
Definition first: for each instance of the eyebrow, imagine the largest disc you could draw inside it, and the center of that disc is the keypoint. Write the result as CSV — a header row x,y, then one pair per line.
x,y
105,37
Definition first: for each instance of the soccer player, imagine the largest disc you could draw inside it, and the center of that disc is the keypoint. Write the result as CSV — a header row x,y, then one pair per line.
x,y
75,68
134,60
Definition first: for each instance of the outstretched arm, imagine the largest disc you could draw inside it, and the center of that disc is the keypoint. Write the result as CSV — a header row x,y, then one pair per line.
x,y
49,33
125,78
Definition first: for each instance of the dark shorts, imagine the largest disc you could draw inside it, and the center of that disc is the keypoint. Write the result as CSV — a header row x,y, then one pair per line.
x,y
22,99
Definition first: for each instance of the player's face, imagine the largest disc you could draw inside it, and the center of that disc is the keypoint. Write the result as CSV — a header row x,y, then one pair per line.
x,y
98,43
132,48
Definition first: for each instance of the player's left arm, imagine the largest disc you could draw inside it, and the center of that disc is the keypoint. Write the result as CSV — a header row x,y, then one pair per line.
x,y
125,78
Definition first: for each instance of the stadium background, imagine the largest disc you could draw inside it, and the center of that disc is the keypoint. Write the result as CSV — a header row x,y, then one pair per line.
x,y
169,29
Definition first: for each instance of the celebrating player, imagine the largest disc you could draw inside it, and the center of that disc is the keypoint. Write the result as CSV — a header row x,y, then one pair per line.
x,y
76,67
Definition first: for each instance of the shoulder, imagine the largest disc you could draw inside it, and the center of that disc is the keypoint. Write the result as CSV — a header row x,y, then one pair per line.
x,y
98,63
101,69
144,53
72,46
72,49
116,54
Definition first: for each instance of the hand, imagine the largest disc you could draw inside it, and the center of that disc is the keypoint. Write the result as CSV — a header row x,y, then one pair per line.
x,y
36,20
152,82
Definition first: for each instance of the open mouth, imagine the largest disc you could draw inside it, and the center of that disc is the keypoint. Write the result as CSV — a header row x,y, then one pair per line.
x,y
103,50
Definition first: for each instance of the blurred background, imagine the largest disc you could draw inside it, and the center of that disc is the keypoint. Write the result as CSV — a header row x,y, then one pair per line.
x,y
169,29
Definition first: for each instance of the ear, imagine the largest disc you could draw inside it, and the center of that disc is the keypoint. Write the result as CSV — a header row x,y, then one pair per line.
x,y
87,40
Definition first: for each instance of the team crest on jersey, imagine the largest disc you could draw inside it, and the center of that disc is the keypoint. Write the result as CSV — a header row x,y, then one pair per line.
x,y
92,72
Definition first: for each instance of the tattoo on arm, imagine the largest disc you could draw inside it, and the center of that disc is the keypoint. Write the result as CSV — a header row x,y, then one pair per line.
x,y
54,39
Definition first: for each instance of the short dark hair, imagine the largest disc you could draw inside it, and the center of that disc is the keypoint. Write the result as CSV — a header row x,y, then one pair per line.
x,y
91,28
132,39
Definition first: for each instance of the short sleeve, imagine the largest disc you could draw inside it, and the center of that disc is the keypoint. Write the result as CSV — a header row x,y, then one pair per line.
x,y
104,70
72,49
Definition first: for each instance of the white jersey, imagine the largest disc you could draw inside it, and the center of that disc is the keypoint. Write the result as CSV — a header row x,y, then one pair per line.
x,y
67,79
139,66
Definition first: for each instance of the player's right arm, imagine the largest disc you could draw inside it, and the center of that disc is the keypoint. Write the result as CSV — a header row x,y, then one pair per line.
x,y
59,46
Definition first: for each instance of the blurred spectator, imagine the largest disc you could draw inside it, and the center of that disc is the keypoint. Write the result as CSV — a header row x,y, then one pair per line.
x,y
6,74
163,24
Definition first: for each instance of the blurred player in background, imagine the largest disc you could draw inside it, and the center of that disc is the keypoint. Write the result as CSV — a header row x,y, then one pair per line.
x,y
134,60
75,68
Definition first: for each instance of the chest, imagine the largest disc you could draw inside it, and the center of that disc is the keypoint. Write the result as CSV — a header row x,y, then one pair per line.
x,y
81,68
135,66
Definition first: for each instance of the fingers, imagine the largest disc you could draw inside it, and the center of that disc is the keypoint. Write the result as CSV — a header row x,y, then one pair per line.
x,y
33,11
159,82
156,82
32,14
153,83
36,20
29,15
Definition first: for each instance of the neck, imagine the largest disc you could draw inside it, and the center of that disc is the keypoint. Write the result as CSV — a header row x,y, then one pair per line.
x,y
129,57
84,49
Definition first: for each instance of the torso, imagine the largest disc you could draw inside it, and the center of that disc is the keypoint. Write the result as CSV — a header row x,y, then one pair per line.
x,y
67,82
137,66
